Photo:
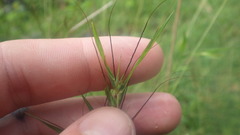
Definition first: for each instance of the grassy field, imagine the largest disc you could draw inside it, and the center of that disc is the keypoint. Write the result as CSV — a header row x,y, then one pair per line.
x,y
205,57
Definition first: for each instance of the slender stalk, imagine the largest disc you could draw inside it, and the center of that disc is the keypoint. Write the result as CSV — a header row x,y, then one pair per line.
x,y
199,43
173,41
195,17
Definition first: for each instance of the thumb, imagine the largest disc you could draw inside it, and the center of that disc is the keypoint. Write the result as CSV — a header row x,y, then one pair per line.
x,y
102,121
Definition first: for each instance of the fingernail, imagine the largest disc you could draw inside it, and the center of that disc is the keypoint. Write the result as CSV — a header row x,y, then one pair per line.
x,y
106,121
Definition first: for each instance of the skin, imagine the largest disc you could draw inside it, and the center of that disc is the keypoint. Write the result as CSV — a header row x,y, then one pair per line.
x,y
42,74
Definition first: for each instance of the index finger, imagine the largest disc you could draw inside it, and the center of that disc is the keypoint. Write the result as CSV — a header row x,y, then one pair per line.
x,y
41,70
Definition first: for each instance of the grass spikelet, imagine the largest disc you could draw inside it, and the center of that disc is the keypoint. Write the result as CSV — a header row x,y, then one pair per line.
x,y
116,91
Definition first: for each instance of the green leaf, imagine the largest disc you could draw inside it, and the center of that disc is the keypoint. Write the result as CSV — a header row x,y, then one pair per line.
x,y
51,125
102,54
90,108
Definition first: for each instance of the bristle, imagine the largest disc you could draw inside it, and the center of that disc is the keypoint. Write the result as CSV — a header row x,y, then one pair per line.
x,y
144,104
144,29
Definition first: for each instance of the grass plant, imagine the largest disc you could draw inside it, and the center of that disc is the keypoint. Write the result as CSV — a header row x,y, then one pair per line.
x,y
206,50
117,84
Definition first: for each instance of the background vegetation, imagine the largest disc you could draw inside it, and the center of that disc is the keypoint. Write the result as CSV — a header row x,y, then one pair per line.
x,y
205,57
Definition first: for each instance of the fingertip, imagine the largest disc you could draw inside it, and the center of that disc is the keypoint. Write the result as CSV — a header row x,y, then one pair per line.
x,y
160,115
102,121
151,64
172,110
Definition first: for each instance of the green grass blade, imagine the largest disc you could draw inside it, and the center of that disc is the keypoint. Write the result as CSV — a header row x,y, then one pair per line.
x,y
89,27
90,108
102,54
149,46
49,124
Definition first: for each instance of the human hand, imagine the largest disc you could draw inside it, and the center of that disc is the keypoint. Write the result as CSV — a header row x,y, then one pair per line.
x,y
35,72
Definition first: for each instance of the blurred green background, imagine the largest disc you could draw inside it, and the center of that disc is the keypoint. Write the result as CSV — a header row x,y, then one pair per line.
x,y
205,57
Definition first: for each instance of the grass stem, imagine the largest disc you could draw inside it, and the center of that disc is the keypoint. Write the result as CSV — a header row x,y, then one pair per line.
x,y
173,41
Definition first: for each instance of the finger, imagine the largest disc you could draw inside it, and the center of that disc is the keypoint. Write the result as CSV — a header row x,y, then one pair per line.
x,y
102,121
160,115
38,71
